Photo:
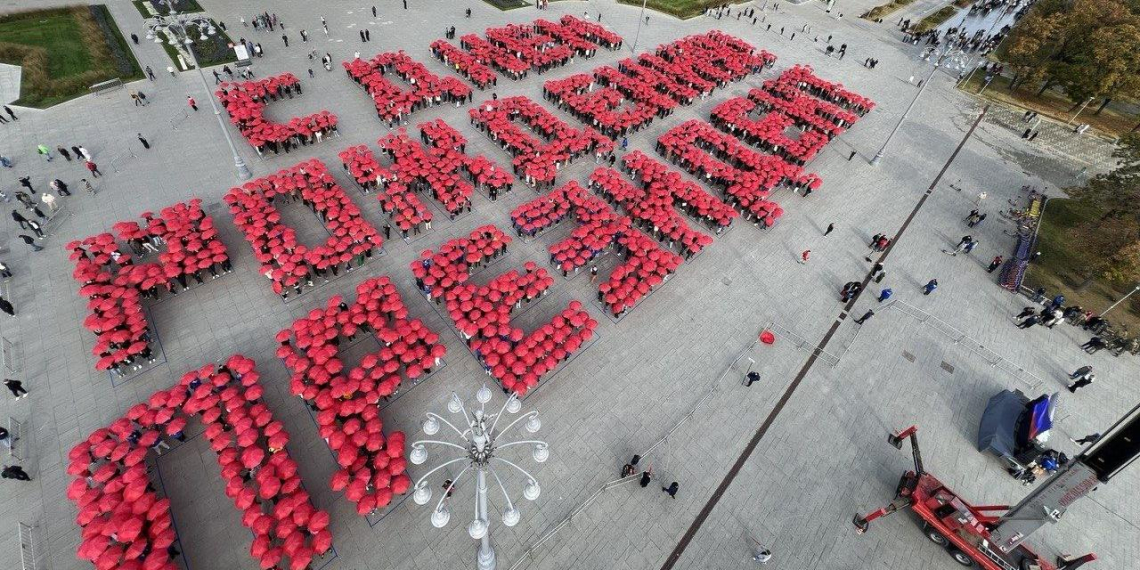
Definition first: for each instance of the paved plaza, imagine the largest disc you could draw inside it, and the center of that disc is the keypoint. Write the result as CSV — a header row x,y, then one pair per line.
x,y
824,455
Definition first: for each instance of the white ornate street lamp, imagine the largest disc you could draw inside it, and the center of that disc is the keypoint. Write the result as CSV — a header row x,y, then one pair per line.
x,y
479,445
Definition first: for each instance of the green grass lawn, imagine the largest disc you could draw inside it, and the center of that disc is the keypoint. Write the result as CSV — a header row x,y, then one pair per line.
x,y
683,9
57,33
1060,255
63,51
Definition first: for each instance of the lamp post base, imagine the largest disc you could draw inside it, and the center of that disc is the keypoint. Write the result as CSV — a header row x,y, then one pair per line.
x,y
242,170
485,556
877,159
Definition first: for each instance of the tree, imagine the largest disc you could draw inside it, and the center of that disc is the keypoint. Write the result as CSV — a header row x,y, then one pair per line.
x,y
1110,245
1117,193
1086,46
1111,250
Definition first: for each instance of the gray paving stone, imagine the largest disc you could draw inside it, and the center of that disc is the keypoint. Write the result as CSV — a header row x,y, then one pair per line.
x,y
823,459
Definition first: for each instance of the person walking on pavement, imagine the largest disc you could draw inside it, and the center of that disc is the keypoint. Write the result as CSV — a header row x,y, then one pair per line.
x,y
997,261
885,294
970,247
60,187
8,110
20,219
1081,383
5,271
804,256
1031,321
193,104
16,387
49,201
145,143
866,317
1094,345
1086,440
87,186
672,489
830,228
82,151
31,241
63,151
285,38
930,287
35,226
1080,372
751,379
44,152
1086,375
877,272
962,243
646,477
94,168
1027,311
15,472
149,73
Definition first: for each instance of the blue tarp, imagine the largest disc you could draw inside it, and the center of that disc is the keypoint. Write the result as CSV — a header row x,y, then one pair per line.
x,y
997,430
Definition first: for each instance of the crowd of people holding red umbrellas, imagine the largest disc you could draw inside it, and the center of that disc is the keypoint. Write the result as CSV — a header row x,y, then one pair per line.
x,y
600,231
536,162
394,103
115,284
246,101
746,177
797,97
289,264
372,465
600,99
482,313
436,166
126,526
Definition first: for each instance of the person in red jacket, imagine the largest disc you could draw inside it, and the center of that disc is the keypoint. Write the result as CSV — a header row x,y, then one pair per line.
x,y
94,168
193,104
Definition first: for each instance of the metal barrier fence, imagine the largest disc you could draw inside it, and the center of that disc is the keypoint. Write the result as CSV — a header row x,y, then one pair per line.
x,y
15,437
805,345
958,337
8,356
27,547
529,554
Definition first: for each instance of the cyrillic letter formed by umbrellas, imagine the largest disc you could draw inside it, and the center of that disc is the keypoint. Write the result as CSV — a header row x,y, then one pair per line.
x,y
348,417
121,518
115,285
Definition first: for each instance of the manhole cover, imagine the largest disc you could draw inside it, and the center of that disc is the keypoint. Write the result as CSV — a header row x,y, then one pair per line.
x,y
947,367
908,356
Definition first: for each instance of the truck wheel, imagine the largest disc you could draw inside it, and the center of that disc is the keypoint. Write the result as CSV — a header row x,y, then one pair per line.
x,y
961,557
936,537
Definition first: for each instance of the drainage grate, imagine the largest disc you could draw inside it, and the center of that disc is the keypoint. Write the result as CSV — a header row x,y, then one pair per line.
x,y
947,367
908,356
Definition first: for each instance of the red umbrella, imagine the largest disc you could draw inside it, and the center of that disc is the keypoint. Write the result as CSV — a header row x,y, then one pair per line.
x,y
252,457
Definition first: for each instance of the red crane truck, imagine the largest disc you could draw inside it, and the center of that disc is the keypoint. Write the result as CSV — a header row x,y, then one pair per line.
x,y
964,530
